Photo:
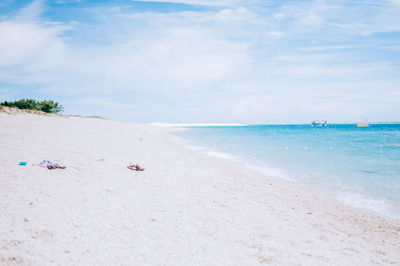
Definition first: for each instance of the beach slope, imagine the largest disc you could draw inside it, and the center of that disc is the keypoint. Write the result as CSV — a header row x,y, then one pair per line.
x,y
184,209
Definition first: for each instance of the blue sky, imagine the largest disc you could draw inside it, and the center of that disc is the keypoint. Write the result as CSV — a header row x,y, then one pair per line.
x,y
248,61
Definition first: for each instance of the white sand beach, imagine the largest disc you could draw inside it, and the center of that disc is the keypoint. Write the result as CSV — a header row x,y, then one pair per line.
x,y
184,209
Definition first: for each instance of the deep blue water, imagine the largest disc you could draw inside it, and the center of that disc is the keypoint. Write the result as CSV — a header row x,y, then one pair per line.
x,y
359,166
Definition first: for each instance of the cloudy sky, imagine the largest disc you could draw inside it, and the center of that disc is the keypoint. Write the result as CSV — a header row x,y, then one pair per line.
x,y
250,61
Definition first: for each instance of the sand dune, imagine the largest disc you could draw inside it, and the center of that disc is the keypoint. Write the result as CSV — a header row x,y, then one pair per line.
x,y
184,209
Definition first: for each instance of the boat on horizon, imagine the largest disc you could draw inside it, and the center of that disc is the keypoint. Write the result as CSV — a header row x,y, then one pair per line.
x,y
361,124
319,124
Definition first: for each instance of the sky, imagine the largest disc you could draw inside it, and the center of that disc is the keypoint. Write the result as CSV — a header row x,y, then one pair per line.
x,y
205,61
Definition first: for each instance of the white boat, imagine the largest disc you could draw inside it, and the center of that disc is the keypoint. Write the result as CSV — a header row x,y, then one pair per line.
x,y
361,124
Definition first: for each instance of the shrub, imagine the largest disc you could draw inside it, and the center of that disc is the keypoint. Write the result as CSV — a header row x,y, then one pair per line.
x,y
47,106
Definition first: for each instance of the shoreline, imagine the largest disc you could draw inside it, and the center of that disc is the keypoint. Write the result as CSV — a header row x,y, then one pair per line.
x,y
346,196
333,193
185,208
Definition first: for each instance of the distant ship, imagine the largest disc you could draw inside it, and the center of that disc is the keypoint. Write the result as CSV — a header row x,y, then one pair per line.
x,y
361,124
318,124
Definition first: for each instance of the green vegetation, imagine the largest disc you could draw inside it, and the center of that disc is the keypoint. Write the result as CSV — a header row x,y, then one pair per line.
x,y
46,106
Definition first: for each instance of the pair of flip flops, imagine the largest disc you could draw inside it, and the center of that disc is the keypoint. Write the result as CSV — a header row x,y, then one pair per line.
x,y
135,167
55,166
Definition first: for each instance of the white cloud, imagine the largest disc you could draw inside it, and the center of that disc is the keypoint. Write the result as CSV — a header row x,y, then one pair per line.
x,y
276,34
190,17
391,47
395,2
279,15
25,43
326,48
31,11
240,13
310,19
171,58
203,2
67,1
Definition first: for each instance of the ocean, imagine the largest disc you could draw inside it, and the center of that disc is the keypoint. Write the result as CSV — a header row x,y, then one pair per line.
x,y
358,166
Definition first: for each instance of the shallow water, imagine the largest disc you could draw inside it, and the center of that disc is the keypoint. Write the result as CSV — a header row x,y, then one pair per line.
x,y
359,166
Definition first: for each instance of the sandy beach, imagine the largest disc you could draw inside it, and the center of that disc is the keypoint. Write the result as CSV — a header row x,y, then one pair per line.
x,y
184,209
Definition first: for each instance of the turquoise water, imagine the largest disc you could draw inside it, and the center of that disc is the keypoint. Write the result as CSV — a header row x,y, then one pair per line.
x,y
358,166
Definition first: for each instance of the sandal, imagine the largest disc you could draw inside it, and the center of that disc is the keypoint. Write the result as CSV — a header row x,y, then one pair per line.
x,y
135,167
58,166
